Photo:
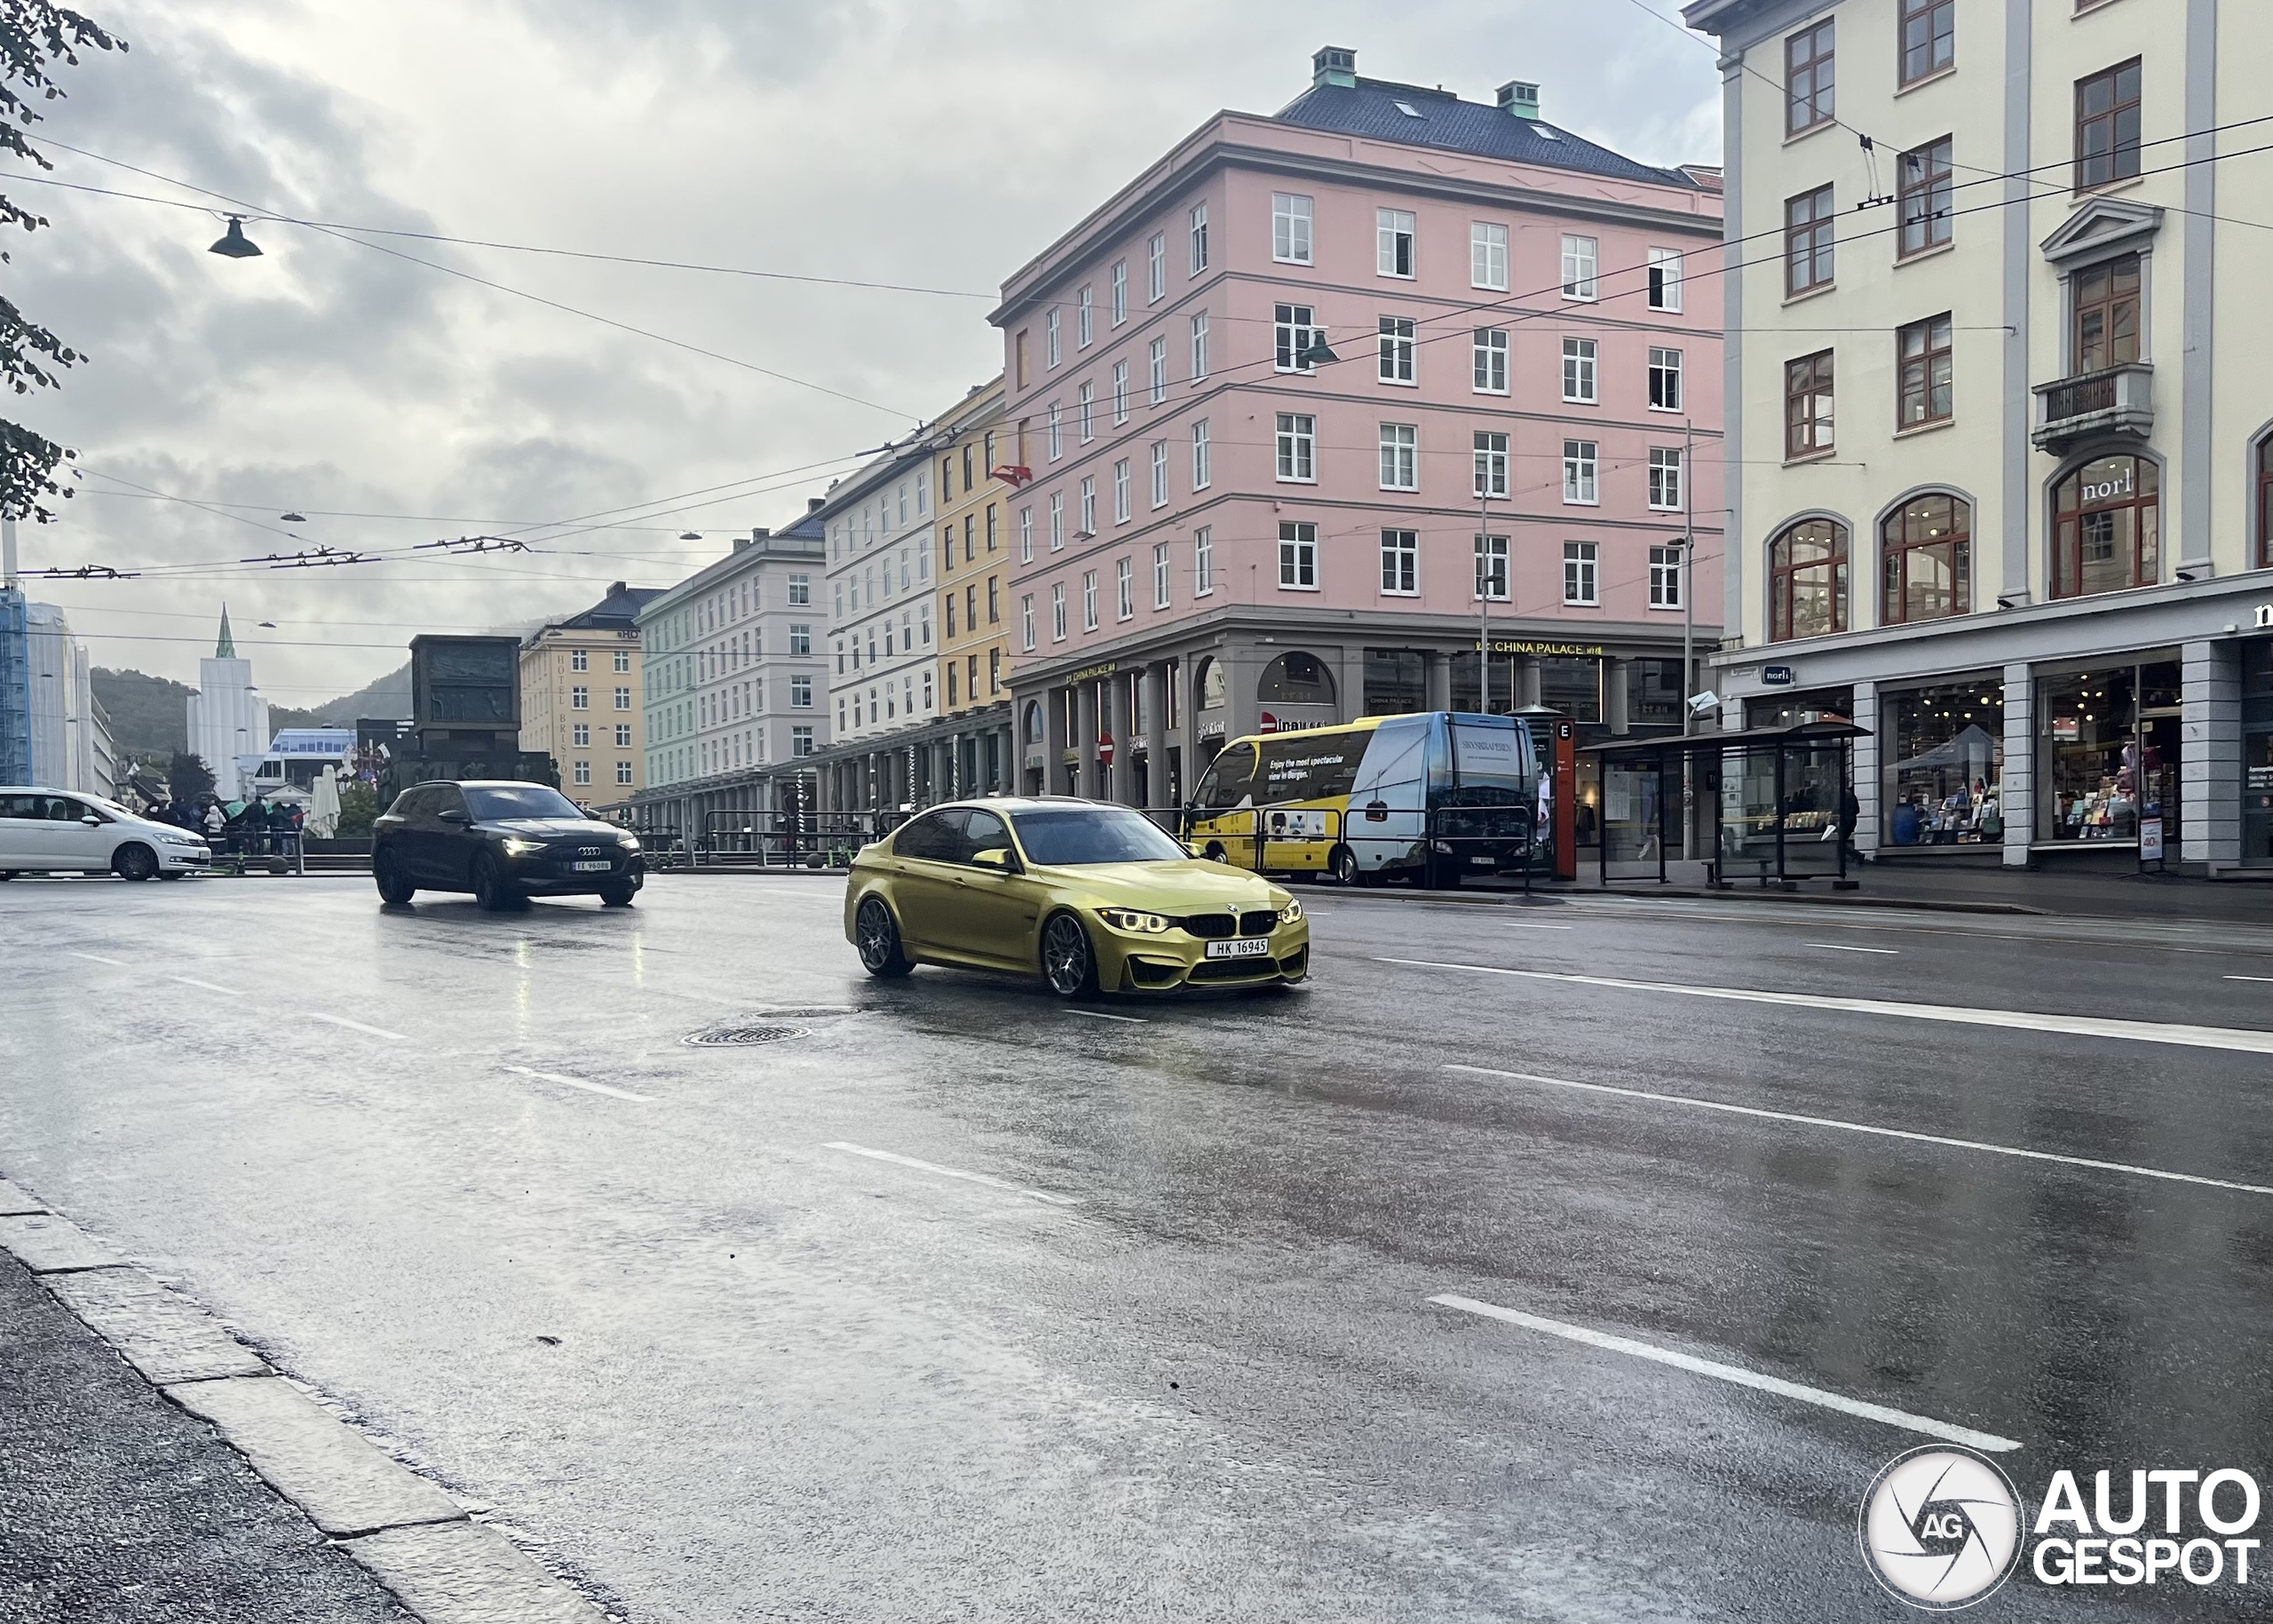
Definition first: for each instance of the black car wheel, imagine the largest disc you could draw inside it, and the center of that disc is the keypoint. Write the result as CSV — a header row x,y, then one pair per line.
x,y
877,933
386,872
491,888
1067,961
617,896
134,861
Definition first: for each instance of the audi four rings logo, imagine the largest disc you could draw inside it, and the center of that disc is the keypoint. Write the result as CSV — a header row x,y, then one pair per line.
x,y
1941,1527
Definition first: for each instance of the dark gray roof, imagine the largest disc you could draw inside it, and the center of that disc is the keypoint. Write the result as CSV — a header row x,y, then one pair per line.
x,y
619,611
1371,107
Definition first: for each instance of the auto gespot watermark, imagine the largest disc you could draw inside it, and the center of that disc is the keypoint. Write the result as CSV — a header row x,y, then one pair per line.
x,y
1942,1528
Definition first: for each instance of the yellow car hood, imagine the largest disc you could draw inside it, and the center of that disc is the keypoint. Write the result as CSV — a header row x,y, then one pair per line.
x,y
1187,885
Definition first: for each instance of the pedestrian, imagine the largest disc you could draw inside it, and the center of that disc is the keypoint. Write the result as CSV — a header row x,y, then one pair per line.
x,y
216,822
1850,811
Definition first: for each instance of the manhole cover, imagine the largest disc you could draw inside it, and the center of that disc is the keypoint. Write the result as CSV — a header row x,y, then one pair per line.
x,y
729,1037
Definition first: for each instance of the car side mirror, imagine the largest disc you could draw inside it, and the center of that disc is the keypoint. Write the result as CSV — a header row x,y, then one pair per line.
x,y
998,858
91,822
451,815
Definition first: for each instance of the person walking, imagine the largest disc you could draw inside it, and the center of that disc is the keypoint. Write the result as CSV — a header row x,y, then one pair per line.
x,y
216,824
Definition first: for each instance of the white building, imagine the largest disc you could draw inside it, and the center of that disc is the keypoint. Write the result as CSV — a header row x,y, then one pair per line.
x,y
228,718
70,735
1999,416
882,646
734,676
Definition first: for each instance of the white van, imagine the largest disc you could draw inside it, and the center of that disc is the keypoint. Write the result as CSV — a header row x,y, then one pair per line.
x,y
61,831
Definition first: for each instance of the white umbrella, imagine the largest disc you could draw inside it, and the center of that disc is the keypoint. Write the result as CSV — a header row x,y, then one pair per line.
x,y
323,810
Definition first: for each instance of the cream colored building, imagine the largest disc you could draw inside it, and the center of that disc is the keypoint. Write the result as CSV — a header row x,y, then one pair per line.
x,y
974,568
2001,416
579,698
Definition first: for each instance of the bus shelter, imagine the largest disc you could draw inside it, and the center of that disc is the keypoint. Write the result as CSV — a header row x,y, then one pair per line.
x,y
1772,797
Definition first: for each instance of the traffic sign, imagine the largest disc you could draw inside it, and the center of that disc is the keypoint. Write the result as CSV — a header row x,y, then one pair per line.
x,y
1104,750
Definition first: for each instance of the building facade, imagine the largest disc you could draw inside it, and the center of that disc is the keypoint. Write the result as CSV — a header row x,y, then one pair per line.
x,y
2006,432
1323,402
734,681
580,682
228,718
71,745
974,599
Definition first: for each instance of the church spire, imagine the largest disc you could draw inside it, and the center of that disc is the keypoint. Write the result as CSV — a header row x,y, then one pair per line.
x,y
227,649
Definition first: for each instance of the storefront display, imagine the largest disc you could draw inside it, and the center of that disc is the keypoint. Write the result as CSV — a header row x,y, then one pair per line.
x,y
2108,749
1944,754
2257,755
1790,708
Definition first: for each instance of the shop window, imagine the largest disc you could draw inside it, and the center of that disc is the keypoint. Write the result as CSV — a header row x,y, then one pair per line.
x,y
1395,682
1944,750
1212,686
1571,684
1295,679
2109,751
2107,527
2257,754
1926,560
1653,694
1807,580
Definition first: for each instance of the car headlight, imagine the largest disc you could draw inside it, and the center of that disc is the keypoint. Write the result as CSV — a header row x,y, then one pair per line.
x,y
181,840
1292,912
628,843
515,846
1130,919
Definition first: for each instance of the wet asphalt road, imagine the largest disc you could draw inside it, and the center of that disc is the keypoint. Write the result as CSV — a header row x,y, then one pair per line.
x,y
1168,1350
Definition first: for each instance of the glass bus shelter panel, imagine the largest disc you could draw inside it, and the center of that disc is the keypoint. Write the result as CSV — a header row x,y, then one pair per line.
x,y
1813,780
1748,843
1632,819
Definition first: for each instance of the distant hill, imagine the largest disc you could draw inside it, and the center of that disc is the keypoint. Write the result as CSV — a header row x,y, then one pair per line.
x,y
389,696
149,716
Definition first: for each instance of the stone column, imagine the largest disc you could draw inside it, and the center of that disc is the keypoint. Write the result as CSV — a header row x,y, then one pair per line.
x,y
2210,758
1526,680
1436,680
1054,743
1869,780
1156,734
2019,802
1085,738
1618,696
1122,775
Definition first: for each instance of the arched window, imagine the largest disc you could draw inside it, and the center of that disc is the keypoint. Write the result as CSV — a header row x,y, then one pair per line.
x,y
2106,527
1210,685
2265,503
1807,580
1295,679
1926,560
1033,721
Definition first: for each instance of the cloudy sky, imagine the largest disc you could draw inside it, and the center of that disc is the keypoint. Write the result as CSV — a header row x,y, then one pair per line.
x,y
933,144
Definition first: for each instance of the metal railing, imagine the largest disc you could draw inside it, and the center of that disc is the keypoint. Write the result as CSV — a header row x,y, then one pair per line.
x,y
788,839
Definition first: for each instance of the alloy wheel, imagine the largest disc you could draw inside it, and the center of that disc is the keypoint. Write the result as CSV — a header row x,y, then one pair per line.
x,y
1066,957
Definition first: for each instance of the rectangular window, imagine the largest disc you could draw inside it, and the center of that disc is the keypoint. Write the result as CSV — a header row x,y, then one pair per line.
x,y
1298,555
1085,316
801,740
1088,600
1491,360
580,699
801,693
1203,561
1199,223
622,772
1807,241
1926,392
1120,283
1124,584
1019,353
1026,621
579,660
1087,525
1057,520
1487,256
1056,430
1397,344
623,698
2107,126
623,735
584,772
1579,466
1057,613
624,655
1120,497
1581,263
1297,447
1665,278
2107,314
1491,464
801,638
1581,573
1393,235
1159,473
1120,392
1050,348
1159,575
1199,346
1293,333
1665,379
1290,228
1665,577
1156,267
801,589
1665,478
1929,38
1085,405
1025,535
1158,371
1579,381
1807,406
993,538
1401,562
994,601
1809,82
1201,471
951,615
1400,456
581,735
1491,568
1924,196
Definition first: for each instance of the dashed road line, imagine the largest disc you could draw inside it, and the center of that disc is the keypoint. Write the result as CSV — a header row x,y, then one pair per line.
x,y
1533,924
1100,1015
2250,978
1845,947
579,1082
226,992
99,959
2241,1040
1692,1101
357,1025
933,1167
1735,1374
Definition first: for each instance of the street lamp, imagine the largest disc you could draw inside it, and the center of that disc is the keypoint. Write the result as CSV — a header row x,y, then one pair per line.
x,y
234,244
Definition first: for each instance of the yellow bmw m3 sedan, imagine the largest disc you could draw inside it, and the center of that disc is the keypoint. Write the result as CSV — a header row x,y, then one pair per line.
x,y
1093,897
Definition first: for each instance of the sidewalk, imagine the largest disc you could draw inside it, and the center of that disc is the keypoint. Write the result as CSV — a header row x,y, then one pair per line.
x,y
116,1506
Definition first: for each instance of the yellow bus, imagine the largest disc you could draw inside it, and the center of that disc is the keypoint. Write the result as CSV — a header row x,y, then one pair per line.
x,y
1430,797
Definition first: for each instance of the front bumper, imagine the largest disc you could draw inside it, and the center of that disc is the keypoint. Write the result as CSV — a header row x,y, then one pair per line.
x,y
1129,962
549,873
183,860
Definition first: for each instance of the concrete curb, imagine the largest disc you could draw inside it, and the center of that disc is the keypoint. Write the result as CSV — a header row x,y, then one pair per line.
x,y
1549,899
406,1529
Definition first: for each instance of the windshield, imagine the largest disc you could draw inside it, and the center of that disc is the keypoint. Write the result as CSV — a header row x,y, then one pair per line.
x,y
520,801
1100,835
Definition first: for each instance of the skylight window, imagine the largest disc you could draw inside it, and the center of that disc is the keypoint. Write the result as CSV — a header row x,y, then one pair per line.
x,y
1408,109
1545,134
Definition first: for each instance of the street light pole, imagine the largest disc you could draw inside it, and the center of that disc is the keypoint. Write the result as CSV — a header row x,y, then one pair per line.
x,y
1484,577
1688,634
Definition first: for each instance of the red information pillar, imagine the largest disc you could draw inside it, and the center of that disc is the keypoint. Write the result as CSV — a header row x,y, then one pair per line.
x,y
1565,783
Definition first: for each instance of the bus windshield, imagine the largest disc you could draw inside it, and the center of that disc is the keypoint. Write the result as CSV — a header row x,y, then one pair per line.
x,y
1494,765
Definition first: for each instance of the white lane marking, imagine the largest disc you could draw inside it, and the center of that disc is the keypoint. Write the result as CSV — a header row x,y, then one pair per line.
x,y
97,958
2229,978
357,1025
1100,1015
1844,948
1733,1373
933,1167
1532,925
2241,1040
1889,1133
226,992
579,1082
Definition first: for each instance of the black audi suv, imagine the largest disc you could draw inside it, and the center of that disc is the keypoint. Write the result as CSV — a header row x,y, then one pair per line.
x,y
501,842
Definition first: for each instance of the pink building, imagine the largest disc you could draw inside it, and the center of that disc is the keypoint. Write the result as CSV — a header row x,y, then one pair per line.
x,y
1296,396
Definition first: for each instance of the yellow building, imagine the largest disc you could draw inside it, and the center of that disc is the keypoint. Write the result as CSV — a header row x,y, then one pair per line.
x,y
976,560
579,698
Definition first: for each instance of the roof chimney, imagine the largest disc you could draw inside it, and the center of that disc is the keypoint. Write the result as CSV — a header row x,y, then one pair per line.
x,y
813,505
1519,99
616,589
1334,65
